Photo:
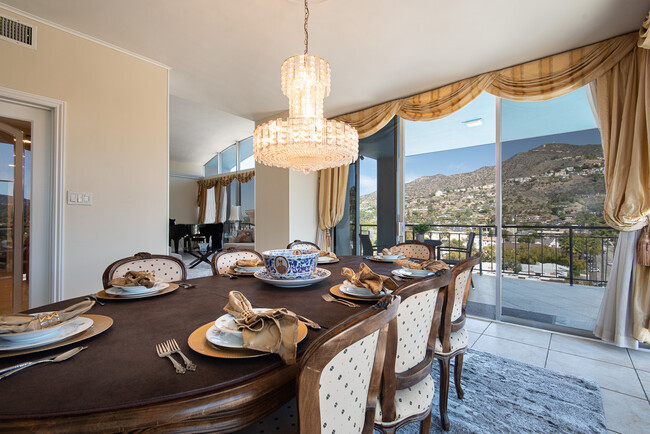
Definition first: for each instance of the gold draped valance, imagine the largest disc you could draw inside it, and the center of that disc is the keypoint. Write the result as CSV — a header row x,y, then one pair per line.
x,y
217,182
537,80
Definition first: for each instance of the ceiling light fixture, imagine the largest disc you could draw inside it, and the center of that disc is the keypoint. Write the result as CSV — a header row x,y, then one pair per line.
x,y
306,140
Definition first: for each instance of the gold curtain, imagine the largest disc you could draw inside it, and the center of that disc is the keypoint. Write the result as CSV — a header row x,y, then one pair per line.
x,y
217,182
537,80
622,101
217,202
331,199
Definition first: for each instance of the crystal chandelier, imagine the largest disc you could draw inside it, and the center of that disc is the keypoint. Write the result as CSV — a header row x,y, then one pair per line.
x,y
306,140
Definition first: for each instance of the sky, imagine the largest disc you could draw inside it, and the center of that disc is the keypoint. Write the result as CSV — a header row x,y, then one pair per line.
x,y
433,147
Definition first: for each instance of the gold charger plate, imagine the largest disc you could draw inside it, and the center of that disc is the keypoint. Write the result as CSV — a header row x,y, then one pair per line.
x,y
201,345
336,291
106,296
101,323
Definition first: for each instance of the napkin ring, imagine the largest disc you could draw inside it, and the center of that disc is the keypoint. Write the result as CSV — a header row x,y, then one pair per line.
x,y
48,319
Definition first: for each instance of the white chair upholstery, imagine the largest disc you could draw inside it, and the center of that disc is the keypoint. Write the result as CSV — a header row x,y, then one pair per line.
x,y
166,269
413,251
414,318
457,340
412,400
461,282
343,389
225,260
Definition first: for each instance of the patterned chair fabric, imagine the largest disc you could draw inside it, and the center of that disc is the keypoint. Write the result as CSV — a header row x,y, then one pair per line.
x,y
414,318
415,250
412,400
167,268
457,339
221,262
461,283
303,245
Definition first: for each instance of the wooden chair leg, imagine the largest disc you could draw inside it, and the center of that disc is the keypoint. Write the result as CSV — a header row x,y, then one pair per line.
x,y
458,371
425,427
444,392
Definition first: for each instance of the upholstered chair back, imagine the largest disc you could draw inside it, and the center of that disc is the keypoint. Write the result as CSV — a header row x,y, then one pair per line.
x,y
303,245
167,268
222,261
415,250
340,374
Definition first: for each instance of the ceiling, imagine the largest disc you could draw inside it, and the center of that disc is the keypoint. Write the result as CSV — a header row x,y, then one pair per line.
x,y
226,55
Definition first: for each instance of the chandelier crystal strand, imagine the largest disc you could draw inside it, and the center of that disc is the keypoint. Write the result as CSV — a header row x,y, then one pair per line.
x,y
305,141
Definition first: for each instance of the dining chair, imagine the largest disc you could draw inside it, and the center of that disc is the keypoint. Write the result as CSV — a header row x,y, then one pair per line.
x,y
463,252
416,250
167,268
303,245
367,249
222,261
407,385
339,378
452,335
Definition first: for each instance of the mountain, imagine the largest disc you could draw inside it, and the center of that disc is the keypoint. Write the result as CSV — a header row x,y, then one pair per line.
x,y
555,183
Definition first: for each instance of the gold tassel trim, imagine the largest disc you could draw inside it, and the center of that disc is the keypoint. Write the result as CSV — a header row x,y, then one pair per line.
x,y
643,247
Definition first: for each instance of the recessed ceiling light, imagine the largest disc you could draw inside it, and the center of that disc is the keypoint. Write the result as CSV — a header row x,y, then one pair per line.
x,y
474,122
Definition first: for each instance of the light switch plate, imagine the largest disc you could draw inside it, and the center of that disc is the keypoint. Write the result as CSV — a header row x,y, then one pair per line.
x,y
77,198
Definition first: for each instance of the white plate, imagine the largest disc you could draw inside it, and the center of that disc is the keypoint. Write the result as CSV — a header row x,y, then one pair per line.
x,y
137,289
398,273
319,275
391,257
382,259
226,323
326,259
248,270
34,335
121,293
410,272
68,330
356,291
223,339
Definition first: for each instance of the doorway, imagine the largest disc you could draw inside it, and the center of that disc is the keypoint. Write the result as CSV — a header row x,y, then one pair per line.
x,y
25,206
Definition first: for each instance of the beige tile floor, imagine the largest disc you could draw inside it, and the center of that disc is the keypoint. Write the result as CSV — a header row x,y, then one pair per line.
x,y
623,375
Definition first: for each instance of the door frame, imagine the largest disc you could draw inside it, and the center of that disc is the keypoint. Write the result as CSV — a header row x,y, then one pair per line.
x,y
57,109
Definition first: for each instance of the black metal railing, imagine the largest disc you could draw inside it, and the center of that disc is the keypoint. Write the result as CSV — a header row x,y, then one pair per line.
x,y
569,254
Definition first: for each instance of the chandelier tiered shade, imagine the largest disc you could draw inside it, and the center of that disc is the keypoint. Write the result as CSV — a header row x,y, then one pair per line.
x,y
305,141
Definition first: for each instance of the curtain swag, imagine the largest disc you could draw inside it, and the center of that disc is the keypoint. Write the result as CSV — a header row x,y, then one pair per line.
x,y
218,181
537,80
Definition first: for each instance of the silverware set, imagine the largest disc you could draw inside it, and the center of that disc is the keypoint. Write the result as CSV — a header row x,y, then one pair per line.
x,y
169,347
331,299
53,359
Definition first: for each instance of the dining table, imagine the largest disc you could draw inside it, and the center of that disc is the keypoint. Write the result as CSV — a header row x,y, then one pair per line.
x,y
120,384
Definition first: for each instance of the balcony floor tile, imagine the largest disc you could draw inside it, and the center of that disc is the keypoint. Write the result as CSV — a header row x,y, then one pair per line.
x,y
516,333
641,359
591,349
511,350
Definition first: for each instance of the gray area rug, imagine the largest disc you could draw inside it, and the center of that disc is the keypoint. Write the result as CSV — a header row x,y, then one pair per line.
x,y
506,396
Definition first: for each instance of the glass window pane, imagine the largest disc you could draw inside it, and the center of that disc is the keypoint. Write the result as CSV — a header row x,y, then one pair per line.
x,y
229,159
449,172
247,199
212,166
246,160
556,246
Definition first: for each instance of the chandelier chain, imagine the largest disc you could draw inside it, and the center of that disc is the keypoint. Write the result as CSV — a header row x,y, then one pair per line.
x,y
306,30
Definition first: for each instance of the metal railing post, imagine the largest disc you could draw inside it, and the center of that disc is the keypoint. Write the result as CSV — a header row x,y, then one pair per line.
x,y
480,249
571,256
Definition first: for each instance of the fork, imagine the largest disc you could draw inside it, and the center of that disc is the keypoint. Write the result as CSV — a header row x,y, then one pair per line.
x,y
176,349
164,351
331,299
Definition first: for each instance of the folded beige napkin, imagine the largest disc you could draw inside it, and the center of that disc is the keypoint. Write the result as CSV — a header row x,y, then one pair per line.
x,y
431,265
273,331
391,251
22,322
325,253
367,278
134,278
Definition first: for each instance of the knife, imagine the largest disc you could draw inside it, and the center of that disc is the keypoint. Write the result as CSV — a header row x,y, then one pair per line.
x,y
58,358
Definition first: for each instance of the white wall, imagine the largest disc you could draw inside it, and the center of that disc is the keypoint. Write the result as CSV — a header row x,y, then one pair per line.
x,y
116,146
183,200
303,206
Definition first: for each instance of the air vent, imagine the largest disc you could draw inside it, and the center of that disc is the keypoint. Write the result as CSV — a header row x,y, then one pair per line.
x,y
19,33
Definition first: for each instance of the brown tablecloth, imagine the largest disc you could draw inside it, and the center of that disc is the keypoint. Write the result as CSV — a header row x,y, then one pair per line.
x,y
120,368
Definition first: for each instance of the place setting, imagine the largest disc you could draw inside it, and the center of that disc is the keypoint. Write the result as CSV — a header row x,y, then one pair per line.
x,y
325,257
413,269
287,268
135,285
246,267
365,285
29,333
247,332
387,255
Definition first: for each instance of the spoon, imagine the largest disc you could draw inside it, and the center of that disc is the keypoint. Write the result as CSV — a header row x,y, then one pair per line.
x,y
58,358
